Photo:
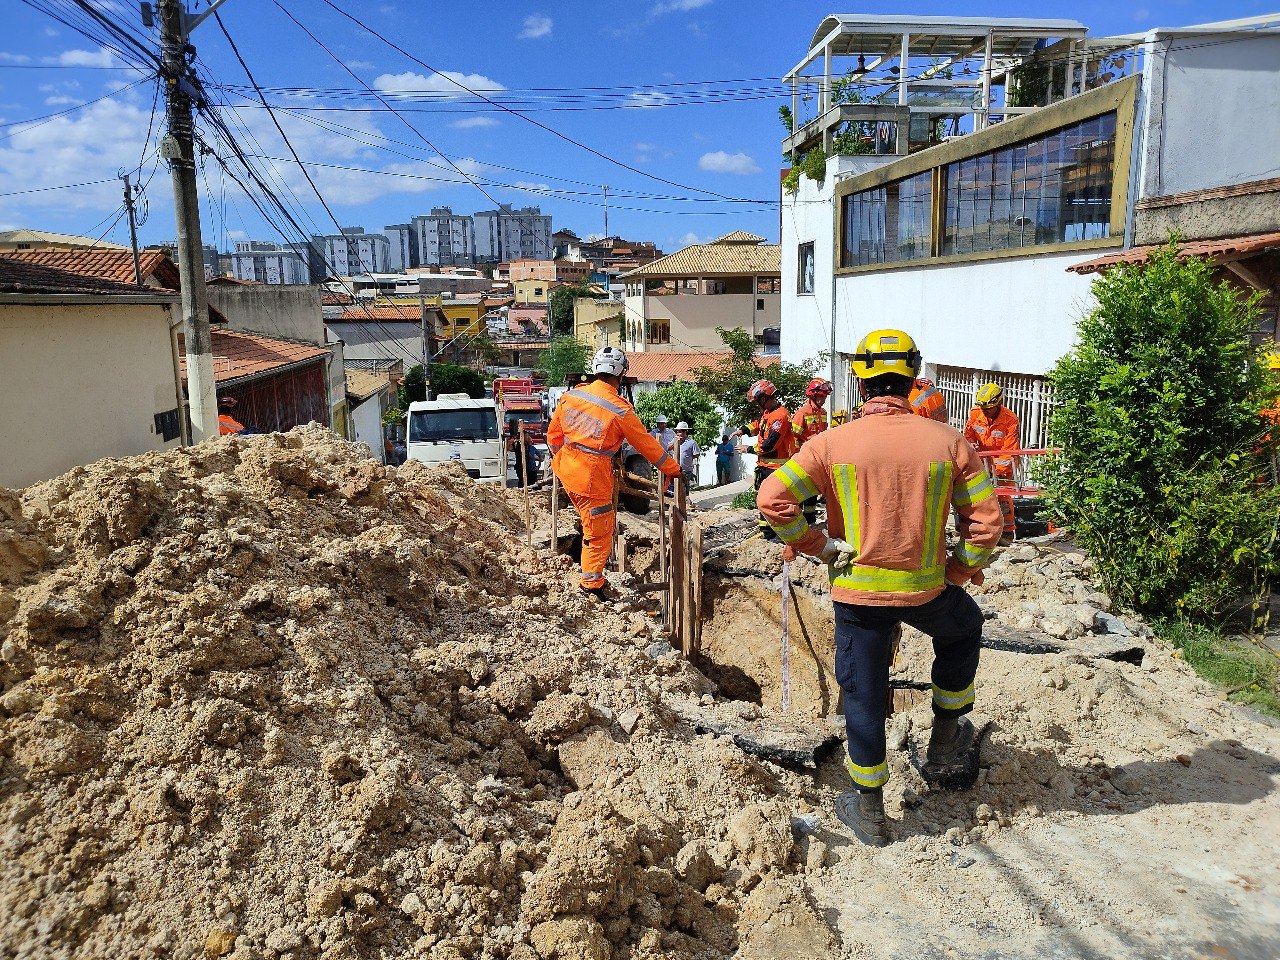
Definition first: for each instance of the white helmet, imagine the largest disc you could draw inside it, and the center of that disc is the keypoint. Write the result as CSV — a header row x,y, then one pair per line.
x,y
610,360
682,426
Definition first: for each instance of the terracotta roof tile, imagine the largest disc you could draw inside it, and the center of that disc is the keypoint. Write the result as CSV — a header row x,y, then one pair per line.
x,y
383,312
20,275
114,265
1231,248
662,367
330,299
362,384
739,236
724,257
237,355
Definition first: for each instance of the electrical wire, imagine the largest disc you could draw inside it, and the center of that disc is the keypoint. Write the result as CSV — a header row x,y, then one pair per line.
x,y
49,118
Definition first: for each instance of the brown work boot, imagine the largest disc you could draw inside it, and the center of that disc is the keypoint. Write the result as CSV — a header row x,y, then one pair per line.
x,y
862,811
950,741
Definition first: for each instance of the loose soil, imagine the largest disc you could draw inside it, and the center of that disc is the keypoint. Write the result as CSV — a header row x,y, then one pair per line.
x,y
265,698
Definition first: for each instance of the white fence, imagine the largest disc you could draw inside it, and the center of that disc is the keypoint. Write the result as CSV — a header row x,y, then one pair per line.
x,y
1030,397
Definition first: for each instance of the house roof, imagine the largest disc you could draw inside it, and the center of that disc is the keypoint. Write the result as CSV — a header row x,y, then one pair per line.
x,y
245,356
662,367
116,265
18,274
734,254
1220,251
330,299
363,384
383,312
42,236
739,236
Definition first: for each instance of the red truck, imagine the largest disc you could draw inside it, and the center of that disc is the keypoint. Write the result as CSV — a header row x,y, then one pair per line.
x,y
520,400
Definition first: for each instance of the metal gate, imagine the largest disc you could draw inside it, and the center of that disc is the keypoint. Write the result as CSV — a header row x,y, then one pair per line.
x,y
1031,398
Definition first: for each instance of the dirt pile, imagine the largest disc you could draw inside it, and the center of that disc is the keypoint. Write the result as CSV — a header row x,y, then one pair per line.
x,y
265,698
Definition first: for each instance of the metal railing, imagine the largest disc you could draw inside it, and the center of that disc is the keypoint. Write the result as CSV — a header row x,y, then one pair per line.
x,y
1031,398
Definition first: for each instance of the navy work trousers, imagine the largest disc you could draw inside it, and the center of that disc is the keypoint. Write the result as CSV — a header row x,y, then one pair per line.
x,y
864,649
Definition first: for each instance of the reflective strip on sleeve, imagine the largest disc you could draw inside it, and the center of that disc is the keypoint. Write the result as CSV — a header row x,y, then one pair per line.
x,y
665,458
793,532
952,699
936,511
845,476
972,491
601,511
597,401
598,453
884,580
869,777
972,556
796,481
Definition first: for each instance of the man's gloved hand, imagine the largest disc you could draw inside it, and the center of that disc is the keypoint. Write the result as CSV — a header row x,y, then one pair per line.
x,y
837,554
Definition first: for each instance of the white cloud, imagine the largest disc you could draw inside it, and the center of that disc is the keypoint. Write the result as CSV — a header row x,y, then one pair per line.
x,y
440,84
50,32
474,123
648,99
359,65
531,187
536,26
680,6
722,162
102,57
59,101
688,240
14,58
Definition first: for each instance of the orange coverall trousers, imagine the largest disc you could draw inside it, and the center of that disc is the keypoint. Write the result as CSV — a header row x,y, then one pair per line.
x,y
598,519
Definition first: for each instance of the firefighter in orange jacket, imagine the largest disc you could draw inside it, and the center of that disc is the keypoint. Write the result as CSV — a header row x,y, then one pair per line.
x,y
993,426
587,430
809,421
227,423
775,441
927,400
890,480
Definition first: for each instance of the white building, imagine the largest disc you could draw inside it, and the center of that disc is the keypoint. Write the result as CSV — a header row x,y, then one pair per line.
x,y
506,234
444,238
265,262
350,252
970,243
403,252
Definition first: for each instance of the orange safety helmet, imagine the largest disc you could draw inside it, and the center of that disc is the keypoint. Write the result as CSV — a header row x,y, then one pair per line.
x,y
761,388
818,387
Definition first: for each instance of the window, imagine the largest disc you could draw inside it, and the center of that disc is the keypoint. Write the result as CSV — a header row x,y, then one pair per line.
x,y
888,224
1053,189
429,426
804,272
659,331
770,284
759,303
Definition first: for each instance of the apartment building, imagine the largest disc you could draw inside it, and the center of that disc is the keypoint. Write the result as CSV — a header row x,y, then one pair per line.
x,y
508,234
264,262
403,253
350,252
444,238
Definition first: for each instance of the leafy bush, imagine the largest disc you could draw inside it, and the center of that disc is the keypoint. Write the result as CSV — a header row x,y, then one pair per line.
x,y
746,500
413,388
560,305
1160,422
565,356
729,379
453,378
684,401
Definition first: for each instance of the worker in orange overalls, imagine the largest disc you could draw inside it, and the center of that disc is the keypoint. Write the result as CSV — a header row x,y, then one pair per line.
x,y
890,480
809,421
227,423
587,430
993,426
775,441
927,400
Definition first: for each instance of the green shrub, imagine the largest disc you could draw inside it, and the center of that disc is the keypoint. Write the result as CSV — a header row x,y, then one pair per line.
x,y
1159,419
683,401
729,379
454,378
746,500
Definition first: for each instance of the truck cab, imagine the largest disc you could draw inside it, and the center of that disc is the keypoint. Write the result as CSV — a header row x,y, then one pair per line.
x,y
455,427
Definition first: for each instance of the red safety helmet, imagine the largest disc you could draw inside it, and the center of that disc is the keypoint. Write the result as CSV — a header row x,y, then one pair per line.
x,y
761,388
817,387
228,403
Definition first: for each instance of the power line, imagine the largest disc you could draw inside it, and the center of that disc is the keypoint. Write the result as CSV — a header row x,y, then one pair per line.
x,y
62,186
49,118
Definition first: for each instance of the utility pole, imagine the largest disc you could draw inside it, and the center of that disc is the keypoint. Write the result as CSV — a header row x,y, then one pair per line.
x,y
178,147
133,232
605,191
426,347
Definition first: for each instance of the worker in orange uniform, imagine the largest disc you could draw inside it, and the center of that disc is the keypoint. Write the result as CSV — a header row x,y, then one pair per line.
x,y
927,400
775,441
993,426
809,421
227,423
587,430
890,479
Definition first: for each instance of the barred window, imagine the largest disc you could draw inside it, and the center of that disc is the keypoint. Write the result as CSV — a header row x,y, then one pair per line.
x,y
888,224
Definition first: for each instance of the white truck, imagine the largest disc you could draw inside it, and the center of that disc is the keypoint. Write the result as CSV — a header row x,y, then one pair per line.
x,y
455,427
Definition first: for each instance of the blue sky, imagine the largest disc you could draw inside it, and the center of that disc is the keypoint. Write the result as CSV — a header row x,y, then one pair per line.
x,y
636,60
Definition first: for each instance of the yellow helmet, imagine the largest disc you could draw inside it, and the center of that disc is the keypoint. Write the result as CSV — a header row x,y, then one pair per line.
x,y
989,395
886,351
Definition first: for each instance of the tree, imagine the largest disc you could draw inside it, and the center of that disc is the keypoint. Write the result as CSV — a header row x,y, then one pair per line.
x,y
564,357
560,305
453,378
413,387
684,401
729,379
1160,420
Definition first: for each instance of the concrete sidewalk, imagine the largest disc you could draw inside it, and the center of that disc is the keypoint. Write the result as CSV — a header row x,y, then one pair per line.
x,y
712,498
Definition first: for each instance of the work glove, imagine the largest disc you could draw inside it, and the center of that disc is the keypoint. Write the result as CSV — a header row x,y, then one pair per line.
x,y
837,554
